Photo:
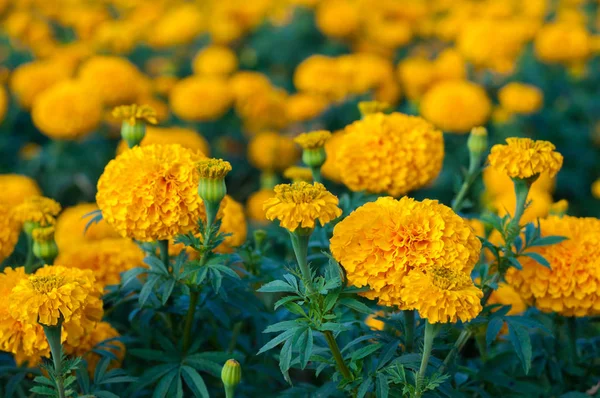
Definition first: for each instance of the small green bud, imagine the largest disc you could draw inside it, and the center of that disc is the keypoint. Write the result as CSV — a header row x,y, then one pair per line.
x,y
45,251
211,186
29,226
260,236
314,157
135,117
478,141
133,134
231,375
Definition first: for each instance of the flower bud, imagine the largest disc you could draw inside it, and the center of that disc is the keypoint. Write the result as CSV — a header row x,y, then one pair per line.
x,y
313,147
133,134
135,118
369,107
260,236
231,375
478,141
211,185
314,157
44,246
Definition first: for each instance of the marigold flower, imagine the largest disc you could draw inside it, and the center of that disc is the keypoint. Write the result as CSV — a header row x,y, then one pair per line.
x,y
374,323
20,187
10,229
521,98
330,169
264,110
115,79
245,84
197,98
498,183
101,333
107,258
296,174
68,110
29,80
181,24
300,204
58,292
215,60
70,228
596,189
561,42
26,341
391,154
524,158
187,138
381,242
254,205
338,18
272,152
416,75
3,103
313,139
37,209
570,286
132,113
153,211
213,168
301,107
442,295
456,106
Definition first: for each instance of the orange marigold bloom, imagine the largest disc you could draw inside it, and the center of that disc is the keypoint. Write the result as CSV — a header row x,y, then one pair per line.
x,y
211,92
20,187
115,79
525,158
29,80
255,203
272,152
150,193
570,286
381,242
521,98
70,230
215,60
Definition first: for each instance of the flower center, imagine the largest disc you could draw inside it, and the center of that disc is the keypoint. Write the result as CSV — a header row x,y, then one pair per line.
x,y
45,284
299,192
448,279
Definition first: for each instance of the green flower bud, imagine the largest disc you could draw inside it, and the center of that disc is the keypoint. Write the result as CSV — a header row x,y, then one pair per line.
x,y
231,375
314,158
260,236
478,141
135,117
133,134
44,246
211,186
29,226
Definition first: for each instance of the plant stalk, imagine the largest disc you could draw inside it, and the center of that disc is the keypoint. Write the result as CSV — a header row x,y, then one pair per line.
x,y
163,245
409,329
53,336
316,173
300,245
29,260
430,333
572,338
337,355
189,320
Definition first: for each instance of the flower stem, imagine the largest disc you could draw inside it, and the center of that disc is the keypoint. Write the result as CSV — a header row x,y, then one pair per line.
x,y
457,203
189,320
53,336
316,173
431,331
29,260
164,252
300,245
229,391
572,338
337,355
409,329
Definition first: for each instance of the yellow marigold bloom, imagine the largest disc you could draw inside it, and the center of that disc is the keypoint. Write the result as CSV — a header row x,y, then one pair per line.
x,y
521,98
381,242
31,79
450,65
272,152
541,202
525,158
255,203
456,106
392,154
70,227
498,183
559,208
313,139
115,79
54,292
301,107
234,223
561,42
507,295
245,84
20,188
107,258
596,189
215,60
213,168
26,341
265,110
181,24
442,295
338,18
133,113
296,174
102,332
37,209
198,98
300,204
68,110
159,210
570,286
330,169
416,75
186,137
9,231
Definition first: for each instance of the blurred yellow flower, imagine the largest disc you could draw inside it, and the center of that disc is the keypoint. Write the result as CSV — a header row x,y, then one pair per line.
x,y
180,24
197,98
71,223
115,79
134,112
297,174
20,187
338,18
541,202
330,168
185,137
85,348
596,189
215,60
525,158
301,107
270,151
561,42
37,209
497,182
313,140
521,98
300,204
254,205
505,294
10,229
31,79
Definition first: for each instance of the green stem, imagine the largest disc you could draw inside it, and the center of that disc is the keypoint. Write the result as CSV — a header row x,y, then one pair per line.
x,y
229,391
572,339
481,345
53,336
316,173
457,203
430,333
164,252
237,328
521,192
337,355
29,260
409,329
189,320
300,245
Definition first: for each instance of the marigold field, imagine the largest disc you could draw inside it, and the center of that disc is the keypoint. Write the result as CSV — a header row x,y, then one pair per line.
x,y
300,198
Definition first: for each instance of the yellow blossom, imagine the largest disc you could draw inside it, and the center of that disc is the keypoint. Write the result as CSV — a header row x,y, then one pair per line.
x,y
9,231
524,158
561,42
71,227
300,204
213,168
296,173
39,210
301,107
115,79
521,98
31,79
93,340
272,152
132,113
186,137
596,189
254,205
20,187
215,60
313,139
198,98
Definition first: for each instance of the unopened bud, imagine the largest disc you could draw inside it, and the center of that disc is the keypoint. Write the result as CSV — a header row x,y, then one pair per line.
x,y
231,375
478,141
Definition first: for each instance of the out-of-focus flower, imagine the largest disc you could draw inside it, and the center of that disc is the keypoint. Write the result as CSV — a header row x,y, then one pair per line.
x,y
70,230
92,340
149,193
456,106
245,84
442,295
58,292
197,98
134,113
301,107
338,18
234,223
416,75
524,158
330,168
561,42
181,24
115,79
497,182
374,323
185,137
596,189
300,205
19,187
255,203
263,110
507,295
270,151
521,98
570,285
215,61
31,79
37,210
297,174
9,231
382,242
392,154
107,258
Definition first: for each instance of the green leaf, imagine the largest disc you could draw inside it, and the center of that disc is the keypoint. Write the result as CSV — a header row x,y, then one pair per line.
x,y
42,390
104,394
285,359
154,355
194,381
515,263
167,290
306,352
203,365
281,326
493,329
519,337
539,258
225,270
163,386
277,287
364,388
130,275
548,240
277,340
355,305
147,289
295,309
284,300
216,278
387,353
156,265
364,351
332,326
382,388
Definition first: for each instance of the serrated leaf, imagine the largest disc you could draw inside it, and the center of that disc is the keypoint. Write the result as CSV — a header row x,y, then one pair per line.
x,y
364,388
164,384
277,286
355,305
43,390
194,381
226,270
364,351
285,359
147,289
295,309
167,290
382,389
521,341
277,340
538,257
131,275
156,265
387,353
548,240
306,352
281,326
515,263
203,364
284,300
493,328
